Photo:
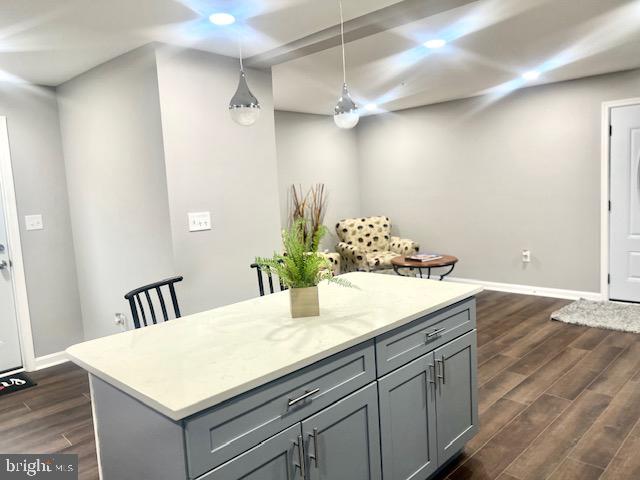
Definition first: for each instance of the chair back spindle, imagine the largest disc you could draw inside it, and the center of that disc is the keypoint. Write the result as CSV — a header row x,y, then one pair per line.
x,y
260,272
138,311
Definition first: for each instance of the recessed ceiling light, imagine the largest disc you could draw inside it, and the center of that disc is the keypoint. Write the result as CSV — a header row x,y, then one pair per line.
x,y
531,75
371,107
222,18
435,43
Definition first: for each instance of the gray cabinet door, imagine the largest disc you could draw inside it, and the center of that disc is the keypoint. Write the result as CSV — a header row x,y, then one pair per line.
x,y
456,398
343,441
408,421
274,459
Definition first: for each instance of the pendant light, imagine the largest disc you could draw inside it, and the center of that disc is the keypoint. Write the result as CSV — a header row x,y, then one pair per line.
x,y
244,107
346,112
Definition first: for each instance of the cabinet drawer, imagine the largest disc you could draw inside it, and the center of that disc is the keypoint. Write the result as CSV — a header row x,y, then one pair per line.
x,y
232,428
400,346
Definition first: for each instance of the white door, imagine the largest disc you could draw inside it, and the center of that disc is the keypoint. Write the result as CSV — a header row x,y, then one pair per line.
x,y
10,358
624,218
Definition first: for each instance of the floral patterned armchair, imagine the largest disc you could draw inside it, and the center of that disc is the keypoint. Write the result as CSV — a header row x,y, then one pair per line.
x,y
334,260
366,244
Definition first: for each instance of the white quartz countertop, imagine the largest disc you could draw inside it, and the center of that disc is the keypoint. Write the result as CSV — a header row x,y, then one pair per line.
x,y
186,365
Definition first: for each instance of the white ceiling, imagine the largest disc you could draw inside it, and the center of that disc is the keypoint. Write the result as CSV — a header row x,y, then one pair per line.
x,y
50,41
491,42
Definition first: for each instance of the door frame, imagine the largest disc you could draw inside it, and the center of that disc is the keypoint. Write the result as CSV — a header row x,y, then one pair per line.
x,y
605,173
12,219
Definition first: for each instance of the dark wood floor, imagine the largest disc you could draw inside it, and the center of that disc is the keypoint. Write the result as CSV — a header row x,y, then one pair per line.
x,y
557,401
52,417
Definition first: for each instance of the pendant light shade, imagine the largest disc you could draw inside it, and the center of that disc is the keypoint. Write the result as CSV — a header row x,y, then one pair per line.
x,y
244,107
346,113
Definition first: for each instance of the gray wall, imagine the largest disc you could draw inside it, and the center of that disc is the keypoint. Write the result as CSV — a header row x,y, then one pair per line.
x,y
216,165
311,149
485,180
38,168
110,119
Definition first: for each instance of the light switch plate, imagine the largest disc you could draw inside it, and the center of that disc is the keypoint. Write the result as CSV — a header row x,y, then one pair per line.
x,y
199,221
33,222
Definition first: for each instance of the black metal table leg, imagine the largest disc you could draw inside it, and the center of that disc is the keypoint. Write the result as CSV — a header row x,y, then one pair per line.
x,y
447,273
397,268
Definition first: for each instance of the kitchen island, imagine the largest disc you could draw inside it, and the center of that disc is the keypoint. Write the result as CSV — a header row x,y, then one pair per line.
x,y
381,385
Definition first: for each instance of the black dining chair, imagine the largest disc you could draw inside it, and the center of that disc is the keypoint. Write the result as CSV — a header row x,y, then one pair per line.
x,y
137,309
260,272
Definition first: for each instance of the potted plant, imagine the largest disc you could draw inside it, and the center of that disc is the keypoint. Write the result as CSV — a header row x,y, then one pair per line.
x,y
300,268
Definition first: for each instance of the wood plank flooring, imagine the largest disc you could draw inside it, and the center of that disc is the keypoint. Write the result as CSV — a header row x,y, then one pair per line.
x,y
52,417
557,401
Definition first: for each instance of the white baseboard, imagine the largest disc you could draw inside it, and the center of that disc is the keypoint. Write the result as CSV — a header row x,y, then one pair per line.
x,y
529,289
50,360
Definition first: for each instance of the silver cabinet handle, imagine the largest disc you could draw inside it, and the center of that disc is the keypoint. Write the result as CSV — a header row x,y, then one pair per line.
x,y
3,265
442,363
316,456
305,395
300,464
432,375
435,333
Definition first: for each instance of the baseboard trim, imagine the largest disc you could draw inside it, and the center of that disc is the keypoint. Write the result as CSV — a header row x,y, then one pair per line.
x,y
50,360
11,372
529,289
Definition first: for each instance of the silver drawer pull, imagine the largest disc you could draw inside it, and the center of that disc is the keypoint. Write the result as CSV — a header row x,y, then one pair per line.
x,y
316,456
299,445
305,395
442,364
435,332
432,375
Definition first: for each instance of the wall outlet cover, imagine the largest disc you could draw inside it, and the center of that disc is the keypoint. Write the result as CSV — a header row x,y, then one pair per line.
x,y
120,319
33,222
199,221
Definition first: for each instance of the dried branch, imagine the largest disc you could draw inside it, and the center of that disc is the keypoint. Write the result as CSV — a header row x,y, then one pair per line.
x,y
310,207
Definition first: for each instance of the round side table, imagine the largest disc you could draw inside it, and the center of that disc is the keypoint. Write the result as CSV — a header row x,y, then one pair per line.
x,y
446,261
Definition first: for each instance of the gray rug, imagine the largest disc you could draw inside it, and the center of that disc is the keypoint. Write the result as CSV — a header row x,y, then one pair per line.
x,y
624,317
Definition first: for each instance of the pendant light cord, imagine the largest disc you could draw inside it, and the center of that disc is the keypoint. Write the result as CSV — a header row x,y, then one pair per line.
x,y
240,49
344,68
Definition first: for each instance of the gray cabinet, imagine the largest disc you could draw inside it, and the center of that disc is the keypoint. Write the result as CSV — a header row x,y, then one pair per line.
x,y
223,432
456,392
428,410
398,347
343,441
408,421
277,458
